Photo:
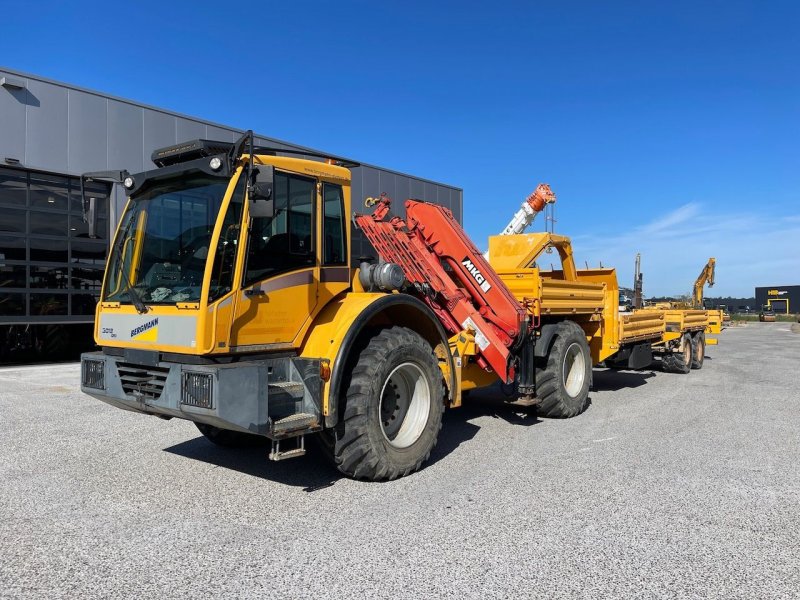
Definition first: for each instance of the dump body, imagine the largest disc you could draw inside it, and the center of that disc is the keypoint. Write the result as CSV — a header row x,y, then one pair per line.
x,y
589,297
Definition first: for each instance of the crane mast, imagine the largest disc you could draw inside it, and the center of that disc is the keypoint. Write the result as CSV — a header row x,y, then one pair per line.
x,y
533,205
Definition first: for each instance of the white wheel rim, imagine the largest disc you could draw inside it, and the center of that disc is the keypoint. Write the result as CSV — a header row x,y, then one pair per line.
x,y
574,372
405,395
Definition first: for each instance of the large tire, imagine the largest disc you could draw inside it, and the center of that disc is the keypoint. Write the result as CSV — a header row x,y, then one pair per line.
x,y
564,377
392,409
698,349
679,361
230,439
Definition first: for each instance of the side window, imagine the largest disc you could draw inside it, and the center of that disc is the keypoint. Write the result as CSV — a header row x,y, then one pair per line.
x,y
333,225
225,257
285,241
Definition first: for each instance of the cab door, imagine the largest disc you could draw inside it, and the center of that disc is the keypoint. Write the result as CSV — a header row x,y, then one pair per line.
x,y
280,278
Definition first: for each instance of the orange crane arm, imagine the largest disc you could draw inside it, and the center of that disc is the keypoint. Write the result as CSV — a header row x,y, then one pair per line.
x,y
447,272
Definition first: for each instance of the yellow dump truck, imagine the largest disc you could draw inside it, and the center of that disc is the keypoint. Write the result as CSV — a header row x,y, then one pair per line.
x,y
229,300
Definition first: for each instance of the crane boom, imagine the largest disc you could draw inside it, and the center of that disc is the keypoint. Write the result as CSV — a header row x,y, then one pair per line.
x,y
706,276
533,205
451,276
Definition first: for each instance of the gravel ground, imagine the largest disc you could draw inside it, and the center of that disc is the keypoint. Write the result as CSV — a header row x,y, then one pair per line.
x,y
668,486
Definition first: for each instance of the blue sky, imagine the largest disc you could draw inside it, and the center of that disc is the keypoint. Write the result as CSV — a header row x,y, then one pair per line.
x,y
667,128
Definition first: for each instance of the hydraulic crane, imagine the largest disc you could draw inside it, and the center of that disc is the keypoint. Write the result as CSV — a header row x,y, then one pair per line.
x,y
464,294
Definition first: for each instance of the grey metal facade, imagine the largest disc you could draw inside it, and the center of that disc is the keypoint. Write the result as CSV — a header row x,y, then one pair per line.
x,y
51,129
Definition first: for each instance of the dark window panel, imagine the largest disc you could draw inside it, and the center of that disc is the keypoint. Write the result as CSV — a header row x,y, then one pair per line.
x,y
12,220
46,223
88,252
12,305
84,304
13,276
12,248
54,278
86,278
13,188
53,251
48,304
49,192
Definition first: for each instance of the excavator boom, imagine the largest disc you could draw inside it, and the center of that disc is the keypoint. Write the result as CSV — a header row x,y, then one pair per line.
x,y
706,277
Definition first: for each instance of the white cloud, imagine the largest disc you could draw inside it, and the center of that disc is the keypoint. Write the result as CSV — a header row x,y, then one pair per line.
x,y
671,220
752,249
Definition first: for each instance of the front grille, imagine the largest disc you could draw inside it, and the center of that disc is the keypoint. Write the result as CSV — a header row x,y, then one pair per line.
x,y
142,382
196,389
93,374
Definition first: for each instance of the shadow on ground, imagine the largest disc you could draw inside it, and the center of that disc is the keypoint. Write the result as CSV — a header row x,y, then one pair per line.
x,y
313,472
612,380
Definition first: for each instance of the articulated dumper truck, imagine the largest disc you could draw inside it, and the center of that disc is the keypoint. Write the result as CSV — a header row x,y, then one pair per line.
x,y
229,300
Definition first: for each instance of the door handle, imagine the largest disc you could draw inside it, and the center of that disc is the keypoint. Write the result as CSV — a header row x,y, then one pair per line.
x,y
254,292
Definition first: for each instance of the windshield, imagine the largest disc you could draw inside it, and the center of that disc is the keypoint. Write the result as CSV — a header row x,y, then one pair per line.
x,y
164,242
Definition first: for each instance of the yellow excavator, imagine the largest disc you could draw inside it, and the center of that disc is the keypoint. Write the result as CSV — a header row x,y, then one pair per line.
x,y
706,277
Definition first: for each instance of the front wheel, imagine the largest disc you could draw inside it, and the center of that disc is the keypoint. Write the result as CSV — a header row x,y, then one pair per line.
x,y
563,379
392,408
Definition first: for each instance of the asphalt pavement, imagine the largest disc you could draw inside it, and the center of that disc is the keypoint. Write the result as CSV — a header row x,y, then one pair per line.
x,y
667,486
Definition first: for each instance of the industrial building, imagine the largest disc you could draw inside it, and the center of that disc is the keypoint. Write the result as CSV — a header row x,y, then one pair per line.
x,y
783,299
50,269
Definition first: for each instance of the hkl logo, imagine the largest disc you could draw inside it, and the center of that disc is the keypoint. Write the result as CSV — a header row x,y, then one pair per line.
x,y
473,270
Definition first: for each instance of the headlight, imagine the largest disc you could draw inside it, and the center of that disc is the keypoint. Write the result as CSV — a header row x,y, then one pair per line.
x,y
128,183
215,163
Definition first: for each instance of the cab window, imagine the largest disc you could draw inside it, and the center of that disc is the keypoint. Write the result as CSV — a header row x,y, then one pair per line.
x,y
333,225
285,241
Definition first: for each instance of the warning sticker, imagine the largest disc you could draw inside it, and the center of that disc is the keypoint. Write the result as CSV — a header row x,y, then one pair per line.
x,y
480,339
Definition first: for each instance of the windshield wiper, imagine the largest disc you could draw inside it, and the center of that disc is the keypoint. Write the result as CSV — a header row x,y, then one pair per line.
x,y
133,295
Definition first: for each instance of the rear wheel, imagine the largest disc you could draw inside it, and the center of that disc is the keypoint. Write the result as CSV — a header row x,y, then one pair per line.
x,y
563,379
698,349
392,408
679,360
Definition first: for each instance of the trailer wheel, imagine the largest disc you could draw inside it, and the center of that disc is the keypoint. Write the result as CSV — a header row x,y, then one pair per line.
x,y
230,439
563,379
392,408
698,349
679,361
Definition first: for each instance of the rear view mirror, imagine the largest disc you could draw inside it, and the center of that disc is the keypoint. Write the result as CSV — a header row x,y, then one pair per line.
x,y
90,217
260,192
90,206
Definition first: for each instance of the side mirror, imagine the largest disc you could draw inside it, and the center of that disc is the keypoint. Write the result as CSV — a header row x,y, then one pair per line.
x,y
260,192
91,217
